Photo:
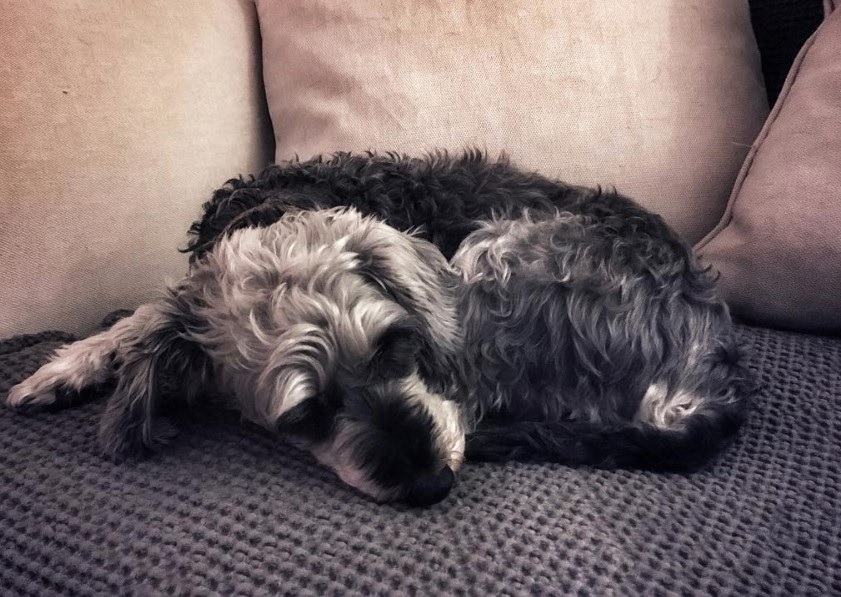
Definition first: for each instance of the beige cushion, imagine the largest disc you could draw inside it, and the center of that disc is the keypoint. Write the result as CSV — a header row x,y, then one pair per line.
x,y
660,98
117,119
778,247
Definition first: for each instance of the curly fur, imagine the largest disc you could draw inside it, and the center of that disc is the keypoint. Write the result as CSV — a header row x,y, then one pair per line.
x,y
441,197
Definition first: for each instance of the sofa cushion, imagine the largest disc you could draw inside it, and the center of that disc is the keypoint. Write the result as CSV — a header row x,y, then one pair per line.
x,y
117,119
225,510
661,98
778,246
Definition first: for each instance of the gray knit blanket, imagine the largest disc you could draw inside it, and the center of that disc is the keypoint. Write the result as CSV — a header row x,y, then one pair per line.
x,y
228,510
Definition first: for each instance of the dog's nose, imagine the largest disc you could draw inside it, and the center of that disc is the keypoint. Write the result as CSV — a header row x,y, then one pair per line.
x,y
431,488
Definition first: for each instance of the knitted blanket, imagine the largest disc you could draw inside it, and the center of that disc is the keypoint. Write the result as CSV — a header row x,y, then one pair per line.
x,y
228,510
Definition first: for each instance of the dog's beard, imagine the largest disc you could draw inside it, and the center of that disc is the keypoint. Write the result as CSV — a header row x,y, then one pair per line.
x,y
449,421
388,437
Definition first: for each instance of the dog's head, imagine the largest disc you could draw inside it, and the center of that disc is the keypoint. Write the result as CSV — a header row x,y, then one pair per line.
x,y
352,356
371,417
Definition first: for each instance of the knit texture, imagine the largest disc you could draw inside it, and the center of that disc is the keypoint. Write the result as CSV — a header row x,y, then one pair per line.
x,y
227,510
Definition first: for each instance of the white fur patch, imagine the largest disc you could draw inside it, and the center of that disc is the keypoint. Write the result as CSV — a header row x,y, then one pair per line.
x,y
448,421
666,411
83,363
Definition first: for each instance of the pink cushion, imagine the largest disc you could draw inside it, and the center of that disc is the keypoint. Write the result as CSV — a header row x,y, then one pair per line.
x,y
778,246
661,98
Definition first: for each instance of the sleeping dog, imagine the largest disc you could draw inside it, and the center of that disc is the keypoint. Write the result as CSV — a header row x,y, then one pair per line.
x,y
393,315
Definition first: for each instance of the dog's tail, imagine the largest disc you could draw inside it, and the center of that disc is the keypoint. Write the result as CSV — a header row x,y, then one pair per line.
x,y
635,446
686,415
651,441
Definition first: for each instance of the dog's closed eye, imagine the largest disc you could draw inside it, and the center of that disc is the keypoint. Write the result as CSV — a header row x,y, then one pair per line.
x,y
311,420
395,352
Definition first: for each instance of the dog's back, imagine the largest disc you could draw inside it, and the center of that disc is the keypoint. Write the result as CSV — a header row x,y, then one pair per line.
x,y
442,196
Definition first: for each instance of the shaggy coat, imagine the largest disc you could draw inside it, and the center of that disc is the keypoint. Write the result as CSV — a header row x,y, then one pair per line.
x,y
592,336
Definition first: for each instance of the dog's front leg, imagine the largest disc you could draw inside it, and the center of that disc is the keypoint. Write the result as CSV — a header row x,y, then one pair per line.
x,y
156,345
135,351
77,366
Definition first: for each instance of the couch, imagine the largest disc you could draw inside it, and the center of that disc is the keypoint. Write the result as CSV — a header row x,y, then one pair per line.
x,y
228,510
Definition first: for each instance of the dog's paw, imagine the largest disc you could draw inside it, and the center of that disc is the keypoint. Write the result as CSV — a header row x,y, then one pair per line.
x,y
123,438
121,447
29,395
164,430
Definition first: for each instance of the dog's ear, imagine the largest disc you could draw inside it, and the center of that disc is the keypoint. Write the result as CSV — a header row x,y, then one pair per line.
x,y
396,350
414,274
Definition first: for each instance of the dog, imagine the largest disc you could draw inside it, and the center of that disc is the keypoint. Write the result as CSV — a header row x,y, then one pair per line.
x,y
569,325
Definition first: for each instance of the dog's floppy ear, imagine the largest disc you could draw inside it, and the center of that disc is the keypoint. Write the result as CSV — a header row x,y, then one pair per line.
x,y
415,274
